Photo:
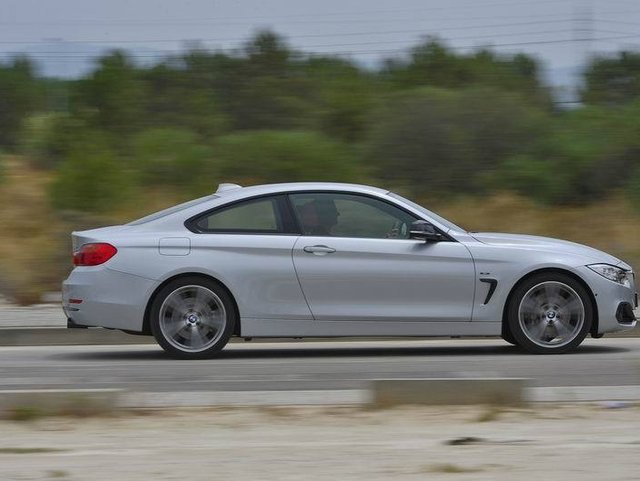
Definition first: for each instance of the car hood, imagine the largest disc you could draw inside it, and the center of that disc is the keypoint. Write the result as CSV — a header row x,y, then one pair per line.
x,y
544,243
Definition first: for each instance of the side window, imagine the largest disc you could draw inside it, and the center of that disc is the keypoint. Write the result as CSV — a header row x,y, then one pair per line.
x,y
349,215
252,216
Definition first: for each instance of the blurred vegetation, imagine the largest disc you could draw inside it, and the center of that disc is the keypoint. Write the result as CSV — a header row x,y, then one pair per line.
x,y
173,158
443,127
90,178
272,156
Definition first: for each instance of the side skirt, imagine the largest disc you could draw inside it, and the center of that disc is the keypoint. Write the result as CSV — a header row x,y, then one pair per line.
x,y
312,328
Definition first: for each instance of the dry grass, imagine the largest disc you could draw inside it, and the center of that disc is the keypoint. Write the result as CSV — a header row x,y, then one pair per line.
x,y
491,413
57,473
29,450
26,232
35,244
449,468
75,406
24,413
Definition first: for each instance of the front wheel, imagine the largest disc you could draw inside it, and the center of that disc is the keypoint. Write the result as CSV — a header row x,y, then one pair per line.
x,y
192,318
549,313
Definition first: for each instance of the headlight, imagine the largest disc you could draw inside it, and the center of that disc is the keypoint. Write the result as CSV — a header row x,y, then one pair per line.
x,y
612,273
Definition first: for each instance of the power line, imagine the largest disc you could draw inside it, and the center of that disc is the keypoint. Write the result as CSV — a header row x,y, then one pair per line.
x,y
189,21
378,42
619,22
382,20
615,32
492,46
62,57
348,34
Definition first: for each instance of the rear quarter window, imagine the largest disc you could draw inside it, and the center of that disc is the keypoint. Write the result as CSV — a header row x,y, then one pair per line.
x,y
259,216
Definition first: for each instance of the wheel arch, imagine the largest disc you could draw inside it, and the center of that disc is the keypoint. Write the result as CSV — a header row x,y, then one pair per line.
x,y
146,326
557,270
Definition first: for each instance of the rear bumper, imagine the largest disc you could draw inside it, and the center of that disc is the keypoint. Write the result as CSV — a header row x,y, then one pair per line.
x,y
73,325
108,298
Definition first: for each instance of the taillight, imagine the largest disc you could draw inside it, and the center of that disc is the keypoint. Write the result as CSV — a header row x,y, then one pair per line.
x,y
94,254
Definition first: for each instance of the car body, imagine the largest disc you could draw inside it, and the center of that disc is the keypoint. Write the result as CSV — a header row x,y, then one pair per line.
x,y
329,259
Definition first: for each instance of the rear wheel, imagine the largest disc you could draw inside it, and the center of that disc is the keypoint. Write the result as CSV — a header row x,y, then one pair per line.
x,y
192,318
549,313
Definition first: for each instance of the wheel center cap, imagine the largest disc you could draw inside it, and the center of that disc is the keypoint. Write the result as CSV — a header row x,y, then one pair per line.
x,y
551,315
192,319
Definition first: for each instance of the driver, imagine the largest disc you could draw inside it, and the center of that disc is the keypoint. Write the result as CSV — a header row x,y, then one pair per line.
x,y
319,216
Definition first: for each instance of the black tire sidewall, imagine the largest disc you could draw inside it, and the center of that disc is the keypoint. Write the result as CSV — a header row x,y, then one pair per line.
x,y
523,287
215,287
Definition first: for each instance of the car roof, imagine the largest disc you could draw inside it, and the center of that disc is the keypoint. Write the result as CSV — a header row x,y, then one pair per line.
x,y
250,191
231,192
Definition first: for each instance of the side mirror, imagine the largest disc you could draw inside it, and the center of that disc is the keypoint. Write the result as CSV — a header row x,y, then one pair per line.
x,y
423,230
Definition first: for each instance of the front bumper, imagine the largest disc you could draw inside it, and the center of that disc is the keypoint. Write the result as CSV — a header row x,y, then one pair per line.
x,y
611,299
108,298
625,314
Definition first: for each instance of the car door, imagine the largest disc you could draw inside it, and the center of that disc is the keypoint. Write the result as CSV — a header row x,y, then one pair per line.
x,y
355,261
247,245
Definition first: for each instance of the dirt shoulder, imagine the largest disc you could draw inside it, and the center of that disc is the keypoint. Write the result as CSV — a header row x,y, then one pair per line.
x,y
586,442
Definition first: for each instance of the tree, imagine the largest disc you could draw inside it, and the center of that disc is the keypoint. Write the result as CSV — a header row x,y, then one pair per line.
x,y
433,141
18,98
264,87
47,138
586,154
90,179
344,96
178,94
612,80
174,158
431,63
278,156
111,98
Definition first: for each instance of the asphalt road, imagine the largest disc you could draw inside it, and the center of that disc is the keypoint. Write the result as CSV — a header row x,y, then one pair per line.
x,y
313,365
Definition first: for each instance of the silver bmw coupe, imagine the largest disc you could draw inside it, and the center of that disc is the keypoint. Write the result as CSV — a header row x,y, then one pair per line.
x,y
327,260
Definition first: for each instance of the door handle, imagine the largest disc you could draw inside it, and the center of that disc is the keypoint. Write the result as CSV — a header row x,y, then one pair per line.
x,y
319,250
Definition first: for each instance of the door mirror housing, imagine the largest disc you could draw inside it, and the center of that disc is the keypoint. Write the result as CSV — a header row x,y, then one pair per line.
x,y
423,230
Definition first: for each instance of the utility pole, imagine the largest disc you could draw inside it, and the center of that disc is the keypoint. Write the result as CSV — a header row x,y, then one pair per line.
x,y
582,37
58,47
583,28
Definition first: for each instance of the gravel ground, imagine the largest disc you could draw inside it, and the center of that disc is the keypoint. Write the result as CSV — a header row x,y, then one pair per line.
x,y
550,442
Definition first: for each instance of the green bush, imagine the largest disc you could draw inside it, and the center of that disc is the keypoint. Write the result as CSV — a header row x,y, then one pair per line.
x,y
587,154
533,177
634,189
90,179
47,137
433,141
173,157
283,156
18,98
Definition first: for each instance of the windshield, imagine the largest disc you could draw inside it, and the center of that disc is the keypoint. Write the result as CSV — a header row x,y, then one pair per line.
x,y
428,213
172,210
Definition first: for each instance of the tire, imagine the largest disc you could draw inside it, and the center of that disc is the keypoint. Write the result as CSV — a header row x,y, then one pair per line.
x,y
507,336
549,313
192,318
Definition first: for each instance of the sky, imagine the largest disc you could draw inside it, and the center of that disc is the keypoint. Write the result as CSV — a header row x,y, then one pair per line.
x,y
64,35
